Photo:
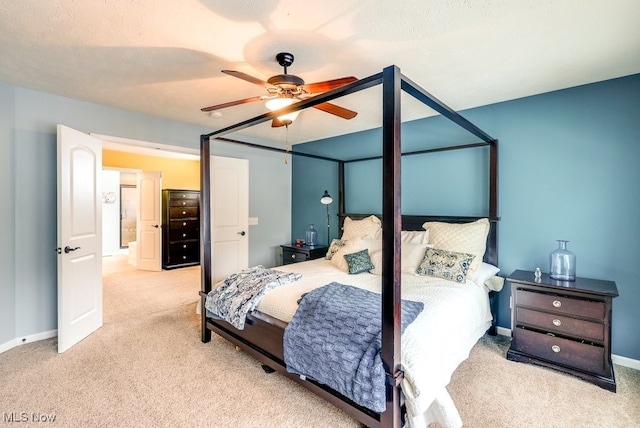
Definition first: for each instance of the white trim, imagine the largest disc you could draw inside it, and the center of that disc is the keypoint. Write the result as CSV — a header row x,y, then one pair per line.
x,y
616,359
625,361
27,339
503,331
120,144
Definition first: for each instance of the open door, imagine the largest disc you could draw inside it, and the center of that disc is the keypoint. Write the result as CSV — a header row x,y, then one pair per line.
x,y
79,236
229,216
148,233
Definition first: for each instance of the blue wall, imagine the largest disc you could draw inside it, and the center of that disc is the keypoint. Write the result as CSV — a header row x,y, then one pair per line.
x,y
569,169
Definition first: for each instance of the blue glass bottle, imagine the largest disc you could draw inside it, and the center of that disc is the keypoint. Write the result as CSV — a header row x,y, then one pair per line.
x,y
312,235
562,263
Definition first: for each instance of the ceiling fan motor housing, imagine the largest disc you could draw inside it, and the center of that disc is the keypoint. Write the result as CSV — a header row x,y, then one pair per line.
x,y
286,81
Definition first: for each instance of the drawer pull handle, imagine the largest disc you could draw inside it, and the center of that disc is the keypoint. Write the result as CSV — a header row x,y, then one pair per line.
x,y
557,303
557,322
184,212
293,256
555,348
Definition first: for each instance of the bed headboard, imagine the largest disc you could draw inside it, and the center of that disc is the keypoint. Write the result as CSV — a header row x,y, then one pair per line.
x,y
415,222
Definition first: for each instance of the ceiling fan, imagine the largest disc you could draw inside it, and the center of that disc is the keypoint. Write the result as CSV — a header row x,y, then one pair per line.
x,y
285,89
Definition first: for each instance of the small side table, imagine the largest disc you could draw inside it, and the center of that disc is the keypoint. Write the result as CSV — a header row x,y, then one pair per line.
x,y
293,254
563,325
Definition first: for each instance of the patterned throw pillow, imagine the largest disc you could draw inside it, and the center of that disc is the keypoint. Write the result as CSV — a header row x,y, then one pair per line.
x,y
445,264
336,244
462,237
359,262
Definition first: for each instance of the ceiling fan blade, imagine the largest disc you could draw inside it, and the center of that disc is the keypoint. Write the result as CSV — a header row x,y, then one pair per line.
x,y
250,79
336,110
315,88
233,103
276,123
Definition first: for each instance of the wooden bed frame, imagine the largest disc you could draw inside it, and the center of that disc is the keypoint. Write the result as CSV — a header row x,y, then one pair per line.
x,y
262,335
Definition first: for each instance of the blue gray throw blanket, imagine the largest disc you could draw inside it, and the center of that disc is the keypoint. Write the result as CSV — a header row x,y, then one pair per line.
x,y
335,338
241,293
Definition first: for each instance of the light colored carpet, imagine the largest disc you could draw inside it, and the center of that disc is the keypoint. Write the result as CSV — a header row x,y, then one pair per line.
x,y
146,367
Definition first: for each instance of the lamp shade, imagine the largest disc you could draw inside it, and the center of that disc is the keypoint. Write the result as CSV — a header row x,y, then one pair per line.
x,y
278,103
326,198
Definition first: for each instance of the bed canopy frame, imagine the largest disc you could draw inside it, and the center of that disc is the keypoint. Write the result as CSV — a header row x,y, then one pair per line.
x,y
393,222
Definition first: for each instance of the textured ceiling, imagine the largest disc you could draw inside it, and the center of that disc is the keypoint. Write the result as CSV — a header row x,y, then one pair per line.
x,y
164,57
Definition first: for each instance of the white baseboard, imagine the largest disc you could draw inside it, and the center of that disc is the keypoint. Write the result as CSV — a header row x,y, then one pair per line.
x,y
503,331
27,339
626,362
616,359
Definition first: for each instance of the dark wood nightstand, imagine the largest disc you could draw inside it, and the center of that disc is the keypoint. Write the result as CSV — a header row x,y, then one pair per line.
x,y
293,254
563,325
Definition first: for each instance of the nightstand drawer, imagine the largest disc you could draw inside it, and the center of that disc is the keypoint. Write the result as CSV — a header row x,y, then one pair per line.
x,y
561,351
560,324
561,304
289,256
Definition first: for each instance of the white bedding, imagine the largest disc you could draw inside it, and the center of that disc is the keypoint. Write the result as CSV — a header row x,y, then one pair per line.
x,y
455,316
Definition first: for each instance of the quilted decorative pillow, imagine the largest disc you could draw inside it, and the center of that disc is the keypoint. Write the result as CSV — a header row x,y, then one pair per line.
x,y
335,246
449,265
369,227
460,237
359,262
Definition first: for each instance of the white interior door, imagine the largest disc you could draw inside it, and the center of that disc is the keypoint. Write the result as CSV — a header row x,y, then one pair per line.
x,y
148,233
79,236
229,216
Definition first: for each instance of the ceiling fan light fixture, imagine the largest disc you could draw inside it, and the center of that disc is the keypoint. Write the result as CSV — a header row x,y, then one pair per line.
x,y
278,103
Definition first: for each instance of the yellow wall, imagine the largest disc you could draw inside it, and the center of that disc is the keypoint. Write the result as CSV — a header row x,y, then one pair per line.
x,y
176,173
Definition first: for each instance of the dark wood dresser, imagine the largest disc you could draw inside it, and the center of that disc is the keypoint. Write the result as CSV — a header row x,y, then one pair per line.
x,y
563,325
180,228
293,254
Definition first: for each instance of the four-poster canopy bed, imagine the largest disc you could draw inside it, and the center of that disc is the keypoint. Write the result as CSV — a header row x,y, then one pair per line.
x,y
262,336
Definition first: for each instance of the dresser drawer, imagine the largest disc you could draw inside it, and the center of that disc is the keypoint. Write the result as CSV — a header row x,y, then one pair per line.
x,y
560,324
177,213
183,234
184,252
183,202
183,224
182,198
561,304
560,351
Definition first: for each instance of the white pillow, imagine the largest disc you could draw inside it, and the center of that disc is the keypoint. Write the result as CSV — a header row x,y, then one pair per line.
x,y
411,254
484,272
415,236
369,227
460,237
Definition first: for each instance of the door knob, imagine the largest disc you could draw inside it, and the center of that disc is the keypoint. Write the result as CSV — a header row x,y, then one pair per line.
x,y
242,233
68,249
154,225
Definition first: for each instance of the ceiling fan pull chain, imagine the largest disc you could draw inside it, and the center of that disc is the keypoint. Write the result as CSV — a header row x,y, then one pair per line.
x,y
286,144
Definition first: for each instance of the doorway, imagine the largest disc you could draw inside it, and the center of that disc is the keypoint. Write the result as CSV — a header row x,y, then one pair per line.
x,y
128,214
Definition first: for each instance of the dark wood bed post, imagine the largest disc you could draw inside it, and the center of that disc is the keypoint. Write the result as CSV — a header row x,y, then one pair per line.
x,y
493,201
391,232
205,231
341,196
